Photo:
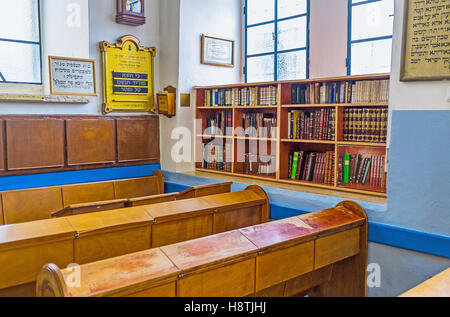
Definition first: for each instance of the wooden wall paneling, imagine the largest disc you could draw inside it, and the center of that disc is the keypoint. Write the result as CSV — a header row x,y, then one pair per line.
x,y
2,145
90,141
138,139
31,205
34,143
86,193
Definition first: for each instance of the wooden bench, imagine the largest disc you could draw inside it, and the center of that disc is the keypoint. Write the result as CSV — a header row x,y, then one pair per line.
x,y
20,206
92,237
319,254
437,286
198,191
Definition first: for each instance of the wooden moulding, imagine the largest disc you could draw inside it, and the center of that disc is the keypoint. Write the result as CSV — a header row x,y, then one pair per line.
x,y
245,262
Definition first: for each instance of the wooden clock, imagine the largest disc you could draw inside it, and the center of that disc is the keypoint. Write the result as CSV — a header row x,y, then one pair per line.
x,y
130,12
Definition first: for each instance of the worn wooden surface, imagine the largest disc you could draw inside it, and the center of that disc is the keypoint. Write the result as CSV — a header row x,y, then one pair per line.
x,y
84,193
437,286
85,208
232,264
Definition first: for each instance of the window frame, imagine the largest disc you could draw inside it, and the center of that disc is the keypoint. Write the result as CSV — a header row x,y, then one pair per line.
x,y
276,52
39,43
349,36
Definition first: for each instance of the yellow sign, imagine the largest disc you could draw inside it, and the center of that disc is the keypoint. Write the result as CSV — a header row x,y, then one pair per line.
x,y
127,76
426,47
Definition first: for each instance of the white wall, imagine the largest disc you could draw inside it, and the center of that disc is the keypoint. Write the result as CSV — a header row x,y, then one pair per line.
x,y
97,23
328,38
220,18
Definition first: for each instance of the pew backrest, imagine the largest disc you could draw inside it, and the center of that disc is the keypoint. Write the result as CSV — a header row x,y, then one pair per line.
x,y
20,206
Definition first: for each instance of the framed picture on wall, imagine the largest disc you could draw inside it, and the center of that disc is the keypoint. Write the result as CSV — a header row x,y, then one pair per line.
x,y
217,51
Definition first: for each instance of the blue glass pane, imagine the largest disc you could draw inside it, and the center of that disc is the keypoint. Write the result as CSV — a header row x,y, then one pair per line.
x,y
373,20
20,62
19,20
260,68
371,57
260,11
260,39
292,65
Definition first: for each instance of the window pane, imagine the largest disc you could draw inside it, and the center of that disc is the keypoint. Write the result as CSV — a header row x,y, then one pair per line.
x,y
260,39
260,68
260,11
292,65
371,57
288,8
20,62
19,20
292,34
372,20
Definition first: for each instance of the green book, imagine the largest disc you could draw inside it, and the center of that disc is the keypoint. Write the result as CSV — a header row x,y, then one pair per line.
x,y
347,168
294,166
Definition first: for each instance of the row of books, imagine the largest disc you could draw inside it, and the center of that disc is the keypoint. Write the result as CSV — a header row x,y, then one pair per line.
x,y
262,165
316,125
245,96
314,167
370,91
263,125
365,125
362,169
218,157
220,124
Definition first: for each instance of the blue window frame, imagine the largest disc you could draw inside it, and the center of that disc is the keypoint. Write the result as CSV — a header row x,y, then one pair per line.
x,y
371,24
276,40
20,42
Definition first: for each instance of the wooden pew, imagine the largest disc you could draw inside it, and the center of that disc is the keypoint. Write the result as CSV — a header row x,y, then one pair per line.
x,y
198,191
102,235
193,192
85,208
319,254
437,286
20,206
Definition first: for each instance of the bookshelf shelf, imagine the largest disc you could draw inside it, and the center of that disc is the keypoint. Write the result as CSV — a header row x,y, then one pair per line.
x,y
334,146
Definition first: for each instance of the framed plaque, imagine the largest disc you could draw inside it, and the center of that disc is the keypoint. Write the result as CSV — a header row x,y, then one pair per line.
x,y
426,40
72,76
127,76
217,51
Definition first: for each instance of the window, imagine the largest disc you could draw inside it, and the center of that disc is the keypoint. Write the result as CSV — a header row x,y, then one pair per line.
x,y
20,42
371,24
277,40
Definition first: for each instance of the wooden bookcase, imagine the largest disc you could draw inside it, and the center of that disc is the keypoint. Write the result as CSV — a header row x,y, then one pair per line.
x,y
280,145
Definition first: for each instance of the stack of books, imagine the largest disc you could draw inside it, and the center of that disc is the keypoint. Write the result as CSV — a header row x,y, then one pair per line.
x,y
365,125
258,164
361,169
246,96
263,125
369,91
312,167
220,124
316,125
218,157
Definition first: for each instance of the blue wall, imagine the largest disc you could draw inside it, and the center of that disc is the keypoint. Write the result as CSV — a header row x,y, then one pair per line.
x,y
419,172
74,177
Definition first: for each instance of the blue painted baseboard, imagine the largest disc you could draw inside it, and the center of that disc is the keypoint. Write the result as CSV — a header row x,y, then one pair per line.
x,y
75,177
